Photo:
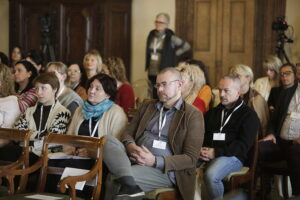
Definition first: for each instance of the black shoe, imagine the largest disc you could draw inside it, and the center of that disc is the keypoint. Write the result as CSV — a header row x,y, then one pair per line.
x,y
130,192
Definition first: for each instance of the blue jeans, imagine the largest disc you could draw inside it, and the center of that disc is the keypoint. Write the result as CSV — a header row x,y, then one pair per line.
x,y
216,170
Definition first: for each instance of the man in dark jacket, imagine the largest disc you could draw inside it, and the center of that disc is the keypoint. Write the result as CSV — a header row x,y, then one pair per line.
x,y
230,132
283,135
162,48
163,142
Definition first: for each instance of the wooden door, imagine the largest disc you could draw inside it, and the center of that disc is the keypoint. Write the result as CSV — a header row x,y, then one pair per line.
x,y
81,29
227,32
25,23
237,38
118,23
78,26
223,34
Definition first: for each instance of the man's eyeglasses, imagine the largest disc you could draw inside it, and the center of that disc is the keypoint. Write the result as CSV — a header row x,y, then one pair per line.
x,y
163,84
159,22
287,73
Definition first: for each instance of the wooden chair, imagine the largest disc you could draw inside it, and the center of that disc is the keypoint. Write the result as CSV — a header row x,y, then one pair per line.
x,y
93,145
132,111
246,174
15,135
163,194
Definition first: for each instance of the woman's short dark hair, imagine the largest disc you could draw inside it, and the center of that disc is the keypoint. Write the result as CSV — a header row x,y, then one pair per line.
x,y
48,78
108,83
21,52
29,68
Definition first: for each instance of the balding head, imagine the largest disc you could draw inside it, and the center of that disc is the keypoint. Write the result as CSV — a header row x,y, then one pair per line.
x,y
229,89
168,84
175,73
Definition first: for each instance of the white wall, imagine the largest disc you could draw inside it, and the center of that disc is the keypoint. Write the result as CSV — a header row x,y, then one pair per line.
x,y
143,16
292,17
4,26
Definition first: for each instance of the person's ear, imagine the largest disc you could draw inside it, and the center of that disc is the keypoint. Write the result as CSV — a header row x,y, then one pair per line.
x,y
64,76
180,83
55,91
239,92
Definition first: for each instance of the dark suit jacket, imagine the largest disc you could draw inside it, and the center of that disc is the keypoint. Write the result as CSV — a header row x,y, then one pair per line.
x,y
185,139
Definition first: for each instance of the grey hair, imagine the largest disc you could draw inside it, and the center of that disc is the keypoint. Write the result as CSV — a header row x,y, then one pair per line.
x,y
165,15
173,70
235,79
59,66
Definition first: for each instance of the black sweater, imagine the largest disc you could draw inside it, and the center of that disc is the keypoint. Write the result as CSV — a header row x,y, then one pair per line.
x,y
240,131
168,55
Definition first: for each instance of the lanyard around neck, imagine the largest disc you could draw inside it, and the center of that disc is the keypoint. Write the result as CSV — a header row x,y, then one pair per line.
x,y
95,128
41,119
157,44
162,121
228,118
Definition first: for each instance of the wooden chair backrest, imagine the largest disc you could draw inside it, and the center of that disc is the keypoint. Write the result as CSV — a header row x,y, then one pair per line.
x,y
132,111
94,147
16,136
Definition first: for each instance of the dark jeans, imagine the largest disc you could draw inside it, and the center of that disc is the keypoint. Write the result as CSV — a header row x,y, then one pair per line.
x,y
283,150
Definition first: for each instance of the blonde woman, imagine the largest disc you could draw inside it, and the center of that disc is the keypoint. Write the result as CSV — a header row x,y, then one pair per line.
x,y
114,67
193,82
9,108
250,96
264,85
92,63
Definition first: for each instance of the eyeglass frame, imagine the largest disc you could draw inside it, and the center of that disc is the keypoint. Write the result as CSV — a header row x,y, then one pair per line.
x,y
286,73
163,84
159,22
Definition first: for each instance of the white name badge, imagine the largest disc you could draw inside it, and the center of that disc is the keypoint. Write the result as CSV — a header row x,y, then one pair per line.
x,y
219,136
295,115
154,56
38,144
159,144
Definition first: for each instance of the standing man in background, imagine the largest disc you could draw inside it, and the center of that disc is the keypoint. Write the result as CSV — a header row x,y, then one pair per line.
x,y
162,48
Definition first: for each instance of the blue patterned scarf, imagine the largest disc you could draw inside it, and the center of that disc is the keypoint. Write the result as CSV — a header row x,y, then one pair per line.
x,y
96,111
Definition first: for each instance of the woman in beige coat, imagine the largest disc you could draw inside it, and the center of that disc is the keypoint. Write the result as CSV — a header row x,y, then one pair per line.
x,y
250,96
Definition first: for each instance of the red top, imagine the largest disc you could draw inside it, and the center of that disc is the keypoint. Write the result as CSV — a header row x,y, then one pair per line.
x,y
200,104
125,97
